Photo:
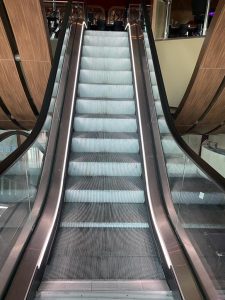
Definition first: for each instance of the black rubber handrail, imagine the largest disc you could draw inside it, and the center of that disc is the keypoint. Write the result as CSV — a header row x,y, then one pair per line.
x,y
213,175
7,134
15,155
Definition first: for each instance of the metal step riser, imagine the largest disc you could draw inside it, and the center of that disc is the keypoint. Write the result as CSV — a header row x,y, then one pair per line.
x,y
176,170
188,197
111,34
155,92
105,107
170,147
105,91
106,52
163,128
106,64
104,169
105,145
106,41
159,109
104,125
105,77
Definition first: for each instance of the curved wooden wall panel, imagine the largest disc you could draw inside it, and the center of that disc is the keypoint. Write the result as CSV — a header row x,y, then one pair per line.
x,y
202,110
32,41
11,90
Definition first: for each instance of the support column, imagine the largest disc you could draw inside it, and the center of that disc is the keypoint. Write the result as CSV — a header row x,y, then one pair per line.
x,y
168,14
205,26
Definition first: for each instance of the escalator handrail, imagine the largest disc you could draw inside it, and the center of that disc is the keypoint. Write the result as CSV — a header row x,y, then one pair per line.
x,y
214,176
15,155
7,134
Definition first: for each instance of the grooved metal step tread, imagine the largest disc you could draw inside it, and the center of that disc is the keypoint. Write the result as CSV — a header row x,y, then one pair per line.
x,y
105,157
104,164
105,135
119,289
106,225
202,215
64,295
104,213
105,285
105,183
106,99
90,253
104,116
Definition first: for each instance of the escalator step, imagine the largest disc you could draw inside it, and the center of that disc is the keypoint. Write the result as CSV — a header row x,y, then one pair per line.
x,y
101,253
170,147
155,92
182,167
105,52
159,109
106,64
198,190
105,189
100,106
105,142
153,78
105,123
105,91
105,77
104,213
103,225
48,122
163,128
106,41
104,164
106,33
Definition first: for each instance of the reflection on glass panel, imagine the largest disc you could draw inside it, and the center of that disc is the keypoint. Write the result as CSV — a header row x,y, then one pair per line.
x,y
18,188
19,184
198,201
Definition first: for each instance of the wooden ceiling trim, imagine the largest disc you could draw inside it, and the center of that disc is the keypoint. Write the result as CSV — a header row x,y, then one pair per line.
x,y
14,50
5,118
37,83
215,114
12,92
33,44
200,96
199,107
219,130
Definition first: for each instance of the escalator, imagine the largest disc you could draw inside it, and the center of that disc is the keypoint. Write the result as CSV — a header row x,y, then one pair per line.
x,y
115,201
105,232
105,244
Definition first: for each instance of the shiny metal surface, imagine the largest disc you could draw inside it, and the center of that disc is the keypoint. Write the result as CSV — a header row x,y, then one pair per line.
x,y
169,243
24,279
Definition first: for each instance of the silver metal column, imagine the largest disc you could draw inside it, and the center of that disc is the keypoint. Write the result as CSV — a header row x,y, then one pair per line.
x,y
205,26
168,13
54,5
